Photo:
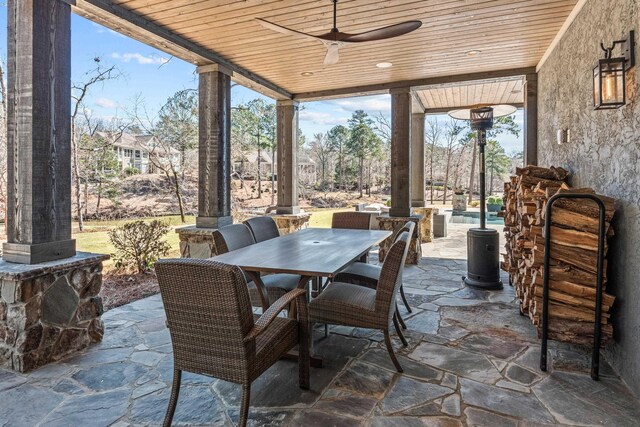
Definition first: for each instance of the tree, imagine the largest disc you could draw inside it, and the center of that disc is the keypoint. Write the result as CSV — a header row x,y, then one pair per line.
x,y
338,138
497,162
79,92
169,133
432,135
500,125
254,128
322,150
363,142
178,123
451,134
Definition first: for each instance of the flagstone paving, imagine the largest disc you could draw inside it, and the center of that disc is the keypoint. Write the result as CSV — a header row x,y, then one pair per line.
x,y
471,360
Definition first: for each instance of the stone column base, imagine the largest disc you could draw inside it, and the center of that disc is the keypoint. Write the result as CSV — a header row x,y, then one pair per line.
x,y
425,224
196,242
49,310
390,224
289,223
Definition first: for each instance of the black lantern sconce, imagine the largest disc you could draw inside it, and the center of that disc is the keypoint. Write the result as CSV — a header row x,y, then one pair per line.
x,y
609,75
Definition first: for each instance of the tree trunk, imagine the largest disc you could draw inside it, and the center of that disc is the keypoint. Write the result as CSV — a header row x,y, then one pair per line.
x,y
273,173
369,180
176,189
433,146
446,178
76,176
99,197
360,172
259,177
472,176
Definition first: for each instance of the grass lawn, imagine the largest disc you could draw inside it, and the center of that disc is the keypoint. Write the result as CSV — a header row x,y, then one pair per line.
x,y
95,238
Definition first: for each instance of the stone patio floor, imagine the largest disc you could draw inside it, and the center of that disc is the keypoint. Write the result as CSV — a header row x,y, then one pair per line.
x,y
472,360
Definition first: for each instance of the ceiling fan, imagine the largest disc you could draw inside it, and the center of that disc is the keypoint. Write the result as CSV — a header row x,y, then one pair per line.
x,y
335,39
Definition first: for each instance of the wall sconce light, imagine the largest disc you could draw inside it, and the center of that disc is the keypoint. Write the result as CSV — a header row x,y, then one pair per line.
x,y
609,75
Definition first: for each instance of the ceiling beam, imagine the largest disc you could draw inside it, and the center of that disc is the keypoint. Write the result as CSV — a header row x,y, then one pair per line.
x,y
433,111
124,21
413,84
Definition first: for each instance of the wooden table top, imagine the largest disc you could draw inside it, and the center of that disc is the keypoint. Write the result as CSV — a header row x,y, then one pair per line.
x,y
309,252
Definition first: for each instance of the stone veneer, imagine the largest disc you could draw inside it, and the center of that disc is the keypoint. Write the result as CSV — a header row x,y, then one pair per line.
x,y
390,224
603,152
198,242
425,223
49,310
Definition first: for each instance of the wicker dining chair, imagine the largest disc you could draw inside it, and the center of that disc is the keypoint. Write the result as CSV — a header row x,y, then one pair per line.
x,y
353,305
368,274
238,236
263,228
215,333
353,220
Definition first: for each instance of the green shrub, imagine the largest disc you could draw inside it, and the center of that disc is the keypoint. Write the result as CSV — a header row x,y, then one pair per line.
x,y
130,170
475,204
139,244
494,200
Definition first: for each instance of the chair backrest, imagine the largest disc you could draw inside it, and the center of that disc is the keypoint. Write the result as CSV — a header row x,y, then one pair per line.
x,y
263,228
402,228
353,220
232,237
209,314
391,273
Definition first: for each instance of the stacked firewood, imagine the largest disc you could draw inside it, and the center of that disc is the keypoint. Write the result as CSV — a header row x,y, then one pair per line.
x,y
574,246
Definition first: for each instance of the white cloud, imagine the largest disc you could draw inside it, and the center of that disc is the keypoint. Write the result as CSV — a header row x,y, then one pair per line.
x,y
105,103
377,103
321,118
140,58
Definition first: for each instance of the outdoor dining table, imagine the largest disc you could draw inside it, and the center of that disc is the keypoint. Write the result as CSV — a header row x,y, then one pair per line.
x,y
311,253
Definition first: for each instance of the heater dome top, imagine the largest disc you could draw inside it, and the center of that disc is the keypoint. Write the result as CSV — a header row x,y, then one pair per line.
x,y
498,111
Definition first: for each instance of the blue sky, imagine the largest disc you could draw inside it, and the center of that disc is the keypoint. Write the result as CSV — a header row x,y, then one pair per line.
x,y
155,76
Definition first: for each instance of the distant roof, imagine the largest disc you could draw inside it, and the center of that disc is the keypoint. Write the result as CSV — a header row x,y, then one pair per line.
x,y
133,142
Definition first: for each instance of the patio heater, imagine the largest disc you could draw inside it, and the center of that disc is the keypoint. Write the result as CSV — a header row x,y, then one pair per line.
x,y
483,255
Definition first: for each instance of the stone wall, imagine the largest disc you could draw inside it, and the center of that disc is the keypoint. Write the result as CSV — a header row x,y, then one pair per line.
x,y
50,310
603,153
390,223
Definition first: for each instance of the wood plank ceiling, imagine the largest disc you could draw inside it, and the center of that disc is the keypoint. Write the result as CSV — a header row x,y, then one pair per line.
x,y
508,33
466,94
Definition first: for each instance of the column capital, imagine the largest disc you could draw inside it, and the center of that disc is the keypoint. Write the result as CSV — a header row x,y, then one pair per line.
x,y
287,102
400,90
208,68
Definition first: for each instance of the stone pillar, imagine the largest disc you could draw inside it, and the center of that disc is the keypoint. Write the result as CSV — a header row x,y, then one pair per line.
x,y
39,134
214,147
531,119
49,312
417,160
401,100
287,140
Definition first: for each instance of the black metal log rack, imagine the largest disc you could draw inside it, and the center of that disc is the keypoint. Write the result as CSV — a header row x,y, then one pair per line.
x,y
595,357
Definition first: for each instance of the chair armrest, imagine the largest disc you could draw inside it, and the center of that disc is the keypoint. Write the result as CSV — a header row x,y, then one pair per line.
x,y
272,312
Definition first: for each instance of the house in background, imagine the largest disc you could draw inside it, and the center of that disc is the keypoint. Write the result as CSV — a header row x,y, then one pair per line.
x,y
248,165
142,152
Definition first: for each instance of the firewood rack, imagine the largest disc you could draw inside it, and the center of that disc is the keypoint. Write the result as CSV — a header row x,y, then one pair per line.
x,y
595,357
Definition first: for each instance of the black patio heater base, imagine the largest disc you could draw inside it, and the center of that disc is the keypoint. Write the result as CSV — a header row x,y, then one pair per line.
x,y
483,259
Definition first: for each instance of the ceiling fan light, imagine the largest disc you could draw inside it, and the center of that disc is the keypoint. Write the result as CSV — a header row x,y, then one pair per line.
x,y
384,65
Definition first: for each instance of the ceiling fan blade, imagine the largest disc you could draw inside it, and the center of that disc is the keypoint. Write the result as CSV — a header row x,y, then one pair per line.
x,y
284,30
383,33
333,54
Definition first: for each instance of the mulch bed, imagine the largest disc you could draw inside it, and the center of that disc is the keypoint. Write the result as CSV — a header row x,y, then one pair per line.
x,y
120,289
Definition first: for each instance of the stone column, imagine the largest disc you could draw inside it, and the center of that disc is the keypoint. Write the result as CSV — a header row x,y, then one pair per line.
x,y
39,133
214,147
531,119
401,152
417,160
287,140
